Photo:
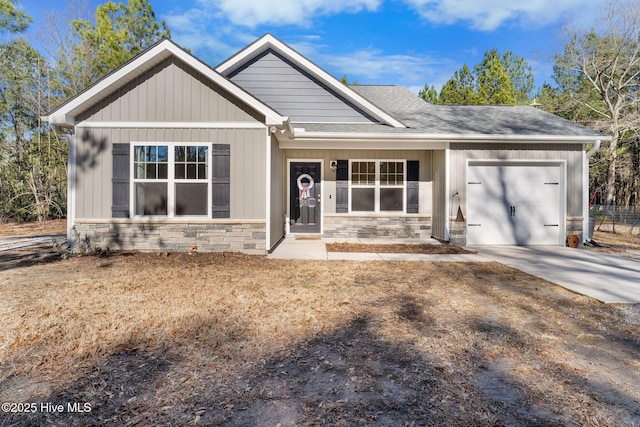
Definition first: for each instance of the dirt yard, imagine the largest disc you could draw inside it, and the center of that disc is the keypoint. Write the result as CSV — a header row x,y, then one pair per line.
x,y
228,339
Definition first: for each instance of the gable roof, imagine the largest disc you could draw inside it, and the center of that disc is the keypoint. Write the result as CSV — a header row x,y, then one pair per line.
x,y
270,43
65,114
451,123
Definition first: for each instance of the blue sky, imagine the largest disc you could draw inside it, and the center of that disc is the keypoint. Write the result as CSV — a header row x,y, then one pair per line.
x,y
406,42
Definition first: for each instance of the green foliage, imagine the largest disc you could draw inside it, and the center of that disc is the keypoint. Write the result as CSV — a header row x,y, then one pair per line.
x,y
459,89
32,157
120,31
429,94
12,20
506,79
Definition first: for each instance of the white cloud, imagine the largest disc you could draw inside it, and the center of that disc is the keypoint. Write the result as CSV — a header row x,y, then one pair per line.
x,y
488,15
372,66
251,13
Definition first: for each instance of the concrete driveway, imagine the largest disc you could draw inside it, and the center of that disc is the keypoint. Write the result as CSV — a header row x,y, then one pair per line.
x,y
607,278
12,243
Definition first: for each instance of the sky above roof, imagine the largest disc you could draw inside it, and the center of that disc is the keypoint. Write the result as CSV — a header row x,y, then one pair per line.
x,y
405,42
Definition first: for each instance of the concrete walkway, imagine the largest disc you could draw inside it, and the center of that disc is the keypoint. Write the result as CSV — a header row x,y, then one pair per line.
x,y
607,278
315,249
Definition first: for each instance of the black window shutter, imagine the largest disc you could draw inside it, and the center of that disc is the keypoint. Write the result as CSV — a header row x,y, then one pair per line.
x,y
342,186
220,181
120,180
413,186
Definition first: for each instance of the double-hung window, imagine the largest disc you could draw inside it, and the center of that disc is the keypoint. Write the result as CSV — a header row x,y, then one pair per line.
x,y
378,185
171,180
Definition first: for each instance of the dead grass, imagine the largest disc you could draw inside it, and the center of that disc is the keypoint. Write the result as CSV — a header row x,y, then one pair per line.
x,y
237,340
622,244
58,226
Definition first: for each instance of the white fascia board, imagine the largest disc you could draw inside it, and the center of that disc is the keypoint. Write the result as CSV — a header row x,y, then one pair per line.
x,y
362,144
173,125
103,86
269,40
301,135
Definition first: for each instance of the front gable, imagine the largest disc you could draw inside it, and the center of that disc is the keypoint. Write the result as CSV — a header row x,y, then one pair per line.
x,y
296,87
168,66
292,91
170,91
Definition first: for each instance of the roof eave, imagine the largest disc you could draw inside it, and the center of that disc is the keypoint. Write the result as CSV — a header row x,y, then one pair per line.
x,y
64,115
302,135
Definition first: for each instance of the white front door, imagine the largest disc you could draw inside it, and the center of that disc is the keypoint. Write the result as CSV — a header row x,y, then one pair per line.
x,y
513,204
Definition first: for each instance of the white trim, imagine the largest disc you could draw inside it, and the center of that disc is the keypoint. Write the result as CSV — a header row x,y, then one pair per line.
x,y
72,176
447,199
267,241
64,114
362,144
269,41
302,135
585,190
561,163
173,125
377,186
288,198
171,181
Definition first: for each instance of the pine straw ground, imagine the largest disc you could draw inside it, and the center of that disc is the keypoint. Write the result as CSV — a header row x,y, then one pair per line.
x,y
228,339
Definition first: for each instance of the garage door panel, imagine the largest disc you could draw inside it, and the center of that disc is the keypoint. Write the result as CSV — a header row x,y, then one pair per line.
x,y
513,204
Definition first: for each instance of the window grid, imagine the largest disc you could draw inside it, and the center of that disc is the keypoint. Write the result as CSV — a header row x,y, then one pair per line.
x,y
363,173
377,186
191,162
182,170
151,162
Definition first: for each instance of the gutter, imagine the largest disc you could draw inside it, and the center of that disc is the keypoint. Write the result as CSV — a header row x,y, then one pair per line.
x,y
585,192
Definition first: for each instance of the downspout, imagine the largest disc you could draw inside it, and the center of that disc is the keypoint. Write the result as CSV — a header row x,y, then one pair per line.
x,y
585,191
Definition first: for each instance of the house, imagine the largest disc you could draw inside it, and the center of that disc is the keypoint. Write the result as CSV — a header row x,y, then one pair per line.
x,y
166,152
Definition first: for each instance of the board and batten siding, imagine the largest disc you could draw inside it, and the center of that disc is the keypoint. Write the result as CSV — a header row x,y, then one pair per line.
x,y
329,176
571,153
94,165
169,92
294,93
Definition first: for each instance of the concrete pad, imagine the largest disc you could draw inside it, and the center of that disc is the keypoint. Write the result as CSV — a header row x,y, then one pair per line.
x,y
300,249
607,278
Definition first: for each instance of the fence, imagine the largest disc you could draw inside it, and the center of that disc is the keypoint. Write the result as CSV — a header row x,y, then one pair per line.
x,y
617,219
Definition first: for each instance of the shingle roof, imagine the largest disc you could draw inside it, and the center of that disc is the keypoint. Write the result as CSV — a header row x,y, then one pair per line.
x,y
421,117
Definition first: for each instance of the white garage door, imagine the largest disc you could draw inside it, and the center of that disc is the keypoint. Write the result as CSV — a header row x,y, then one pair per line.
x,y
513,205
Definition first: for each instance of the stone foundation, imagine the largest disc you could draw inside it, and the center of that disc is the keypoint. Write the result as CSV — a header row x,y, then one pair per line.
x,y
240,236
343,226
574,226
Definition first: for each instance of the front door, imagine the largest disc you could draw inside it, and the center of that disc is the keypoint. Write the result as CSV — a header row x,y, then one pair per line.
x,y
304,197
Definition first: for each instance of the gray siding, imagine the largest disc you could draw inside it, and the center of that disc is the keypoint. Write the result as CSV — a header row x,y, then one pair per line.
x,y
248,166
439,215
292,92
170,92
571,153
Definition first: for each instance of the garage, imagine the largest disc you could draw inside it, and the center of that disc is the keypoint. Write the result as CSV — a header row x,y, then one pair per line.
x,y
514,204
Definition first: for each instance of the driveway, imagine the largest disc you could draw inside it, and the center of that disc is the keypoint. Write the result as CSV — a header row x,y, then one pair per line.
x,y
607,278
11,243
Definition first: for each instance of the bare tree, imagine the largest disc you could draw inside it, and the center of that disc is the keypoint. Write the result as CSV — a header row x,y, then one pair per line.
x,y
600,68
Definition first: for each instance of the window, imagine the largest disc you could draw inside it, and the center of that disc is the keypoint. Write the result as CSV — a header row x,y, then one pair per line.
x,y
377,186
171,180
